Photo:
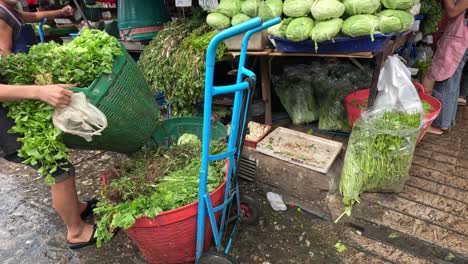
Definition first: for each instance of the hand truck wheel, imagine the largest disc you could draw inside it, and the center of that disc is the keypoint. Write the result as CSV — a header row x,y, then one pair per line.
x,y
250,210
214,257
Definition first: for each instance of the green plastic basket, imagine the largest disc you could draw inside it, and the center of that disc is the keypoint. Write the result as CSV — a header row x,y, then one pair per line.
x,y
128,103
169,131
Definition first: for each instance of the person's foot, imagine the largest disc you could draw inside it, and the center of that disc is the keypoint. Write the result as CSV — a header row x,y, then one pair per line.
x,y
84,234
461,101
436,130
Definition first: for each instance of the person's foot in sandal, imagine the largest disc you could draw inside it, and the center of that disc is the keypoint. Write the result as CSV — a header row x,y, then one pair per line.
x,y
461,101
82,239
87,208
436,130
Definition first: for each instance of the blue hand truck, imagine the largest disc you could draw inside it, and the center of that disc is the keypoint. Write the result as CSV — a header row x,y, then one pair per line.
x,y
243,90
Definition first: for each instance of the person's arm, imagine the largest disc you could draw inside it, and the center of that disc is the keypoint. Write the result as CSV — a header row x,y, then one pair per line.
x,y
35,17
56,95
455,8
6,35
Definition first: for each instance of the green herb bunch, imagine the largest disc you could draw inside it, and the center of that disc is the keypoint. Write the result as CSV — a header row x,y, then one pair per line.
x,y
379,154
153,181
174,63
432,10
80,61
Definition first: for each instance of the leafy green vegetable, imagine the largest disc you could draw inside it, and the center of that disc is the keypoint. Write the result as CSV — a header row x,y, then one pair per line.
x,y
326,30
229,7
340,247
432,10
327,9
189,139
154,181
398,4
239,18
270,9
80,61
174,63
296,8
299,29
379,155
361,25
427,107
250,7
218,20
356,7
395,21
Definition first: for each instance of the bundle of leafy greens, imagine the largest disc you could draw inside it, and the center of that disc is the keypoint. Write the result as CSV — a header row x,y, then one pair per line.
x,y
80,61
432,9
379,154
153,181
174,63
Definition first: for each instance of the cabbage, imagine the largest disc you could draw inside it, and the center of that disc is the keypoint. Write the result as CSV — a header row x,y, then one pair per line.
x,y
284,25
270,9
297,8
398,4
191,139
218,20
395,21
229,7
326,9
356,7
361,25
326,30
239,18
276,30
299,29
250,7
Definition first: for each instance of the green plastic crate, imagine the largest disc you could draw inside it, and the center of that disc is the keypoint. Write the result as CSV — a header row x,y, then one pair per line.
x,y
169,131
128,103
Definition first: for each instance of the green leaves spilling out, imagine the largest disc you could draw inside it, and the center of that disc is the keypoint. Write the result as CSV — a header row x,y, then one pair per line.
x,y
154,181
80,61
174,63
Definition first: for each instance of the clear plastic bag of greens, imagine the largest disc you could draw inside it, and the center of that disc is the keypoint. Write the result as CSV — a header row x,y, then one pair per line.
x,y
294,89
382,142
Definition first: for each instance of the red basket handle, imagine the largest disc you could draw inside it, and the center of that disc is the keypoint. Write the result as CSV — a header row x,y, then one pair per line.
x,y
419,87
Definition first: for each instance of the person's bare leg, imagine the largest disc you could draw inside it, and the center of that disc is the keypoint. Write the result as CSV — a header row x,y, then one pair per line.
x,y
65,202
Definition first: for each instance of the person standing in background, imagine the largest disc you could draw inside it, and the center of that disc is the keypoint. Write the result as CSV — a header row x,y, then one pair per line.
x,y
448,64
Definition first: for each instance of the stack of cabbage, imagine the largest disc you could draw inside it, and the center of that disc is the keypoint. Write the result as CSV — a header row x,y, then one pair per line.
x,y
319,20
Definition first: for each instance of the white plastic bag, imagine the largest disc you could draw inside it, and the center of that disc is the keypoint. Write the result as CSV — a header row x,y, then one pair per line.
x,y
276,201
396,90
80,118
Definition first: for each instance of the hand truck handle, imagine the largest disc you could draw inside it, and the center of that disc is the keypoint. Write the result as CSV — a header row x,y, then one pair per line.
x,y
229,33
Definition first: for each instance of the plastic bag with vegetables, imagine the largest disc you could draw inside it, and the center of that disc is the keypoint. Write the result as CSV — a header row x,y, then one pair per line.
x,y
294,89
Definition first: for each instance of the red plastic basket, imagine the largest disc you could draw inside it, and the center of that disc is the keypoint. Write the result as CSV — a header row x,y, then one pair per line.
x,y
171,236
355,100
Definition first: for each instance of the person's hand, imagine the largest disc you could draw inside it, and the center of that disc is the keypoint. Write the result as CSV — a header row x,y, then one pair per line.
x,y
68,11
56,95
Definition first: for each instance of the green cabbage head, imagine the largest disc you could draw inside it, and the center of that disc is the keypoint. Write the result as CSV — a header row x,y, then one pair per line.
x,y
250,7
297,8
189,139
356,7
218,21
398,4
327,9
276,30
361,25
229,7
239,18
299,29
395,21
270,9
326,30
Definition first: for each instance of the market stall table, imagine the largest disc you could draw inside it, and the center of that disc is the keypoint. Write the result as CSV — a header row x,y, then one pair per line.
x,y
265,57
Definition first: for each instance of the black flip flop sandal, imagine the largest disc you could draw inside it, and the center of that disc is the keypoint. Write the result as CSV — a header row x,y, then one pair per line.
x,y
91,241
91,204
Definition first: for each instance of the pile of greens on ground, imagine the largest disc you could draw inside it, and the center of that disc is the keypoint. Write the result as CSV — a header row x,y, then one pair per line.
x,y
174,63
80,61
379,155
153,181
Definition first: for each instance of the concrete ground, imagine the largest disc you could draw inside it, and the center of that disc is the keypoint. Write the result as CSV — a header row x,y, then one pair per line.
x,y
426,223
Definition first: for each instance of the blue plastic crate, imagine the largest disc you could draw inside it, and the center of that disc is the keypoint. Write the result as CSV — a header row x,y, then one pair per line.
x,y
341,45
